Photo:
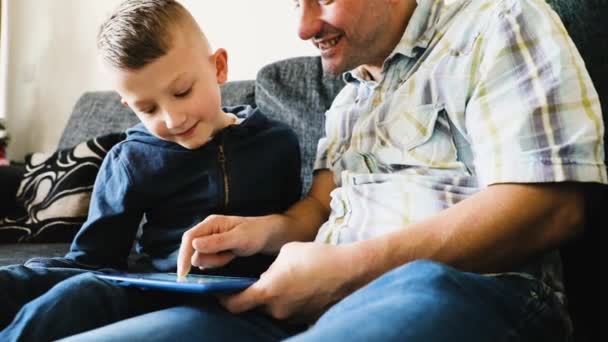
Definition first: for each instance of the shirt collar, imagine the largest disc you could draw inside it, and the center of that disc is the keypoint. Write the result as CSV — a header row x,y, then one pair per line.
x,y
423,24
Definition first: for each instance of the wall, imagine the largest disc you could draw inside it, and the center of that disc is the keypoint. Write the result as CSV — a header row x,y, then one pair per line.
x,y
51,55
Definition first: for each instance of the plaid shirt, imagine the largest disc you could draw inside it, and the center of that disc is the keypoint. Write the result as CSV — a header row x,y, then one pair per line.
x,y
477,92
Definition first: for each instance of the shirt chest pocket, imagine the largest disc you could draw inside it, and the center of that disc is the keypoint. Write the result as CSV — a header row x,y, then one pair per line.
x,y
419,137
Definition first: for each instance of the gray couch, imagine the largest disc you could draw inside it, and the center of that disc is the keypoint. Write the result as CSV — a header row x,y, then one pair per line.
x,y
297,92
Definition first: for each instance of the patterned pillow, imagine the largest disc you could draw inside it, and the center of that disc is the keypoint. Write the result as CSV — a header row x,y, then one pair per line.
x,y
55,192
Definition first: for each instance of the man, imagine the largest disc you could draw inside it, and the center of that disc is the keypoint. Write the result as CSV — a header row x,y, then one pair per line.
x,y
447,178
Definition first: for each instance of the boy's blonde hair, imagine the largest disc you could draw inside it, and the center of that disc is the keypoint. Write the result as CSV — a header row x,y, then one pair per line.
x,y
138,32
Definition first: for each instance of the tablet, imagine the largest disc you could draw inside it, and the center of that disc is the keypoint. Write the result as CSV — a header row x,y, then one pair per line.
x,y
193,283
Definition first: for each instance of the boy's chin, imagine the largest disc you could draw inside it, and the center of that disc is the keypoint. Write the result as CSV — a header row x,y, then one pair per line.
x,y
193,144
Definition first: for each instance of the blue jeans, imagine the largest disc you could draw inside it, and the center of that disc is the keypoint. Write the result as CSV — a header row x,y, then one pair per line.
x,y
420,301
44,304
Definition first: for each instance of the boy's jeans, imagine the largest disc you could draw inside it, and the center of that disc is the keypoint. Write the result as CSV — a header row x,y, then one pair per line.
x,y
46,304
421,301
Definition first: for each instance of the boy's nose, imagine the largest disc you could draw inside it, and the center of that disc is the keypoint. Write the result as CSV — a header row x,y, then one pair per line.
x,y
310,23
174,120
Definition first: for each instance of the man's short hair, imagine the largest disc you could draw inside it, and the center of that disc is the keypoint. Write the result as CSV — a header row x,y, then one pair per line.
x,y
138,32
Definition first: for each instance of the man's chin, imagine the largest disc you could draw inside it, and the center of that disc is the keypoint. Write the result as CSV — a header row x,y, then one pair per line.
x,y
332,68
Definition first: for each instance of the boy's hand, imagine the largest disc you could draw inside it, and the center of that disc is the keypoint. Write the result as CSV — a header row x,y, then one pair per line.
x,y
218,239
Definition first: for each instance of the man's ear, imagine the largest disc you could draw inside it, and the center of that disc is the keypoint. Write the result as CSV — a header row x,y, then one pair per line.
x,y
220,60
124,103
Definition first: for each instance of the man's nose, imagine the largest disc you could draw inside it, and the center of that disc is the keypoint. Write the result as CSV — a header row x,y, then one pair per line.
x,y
310,23
173,119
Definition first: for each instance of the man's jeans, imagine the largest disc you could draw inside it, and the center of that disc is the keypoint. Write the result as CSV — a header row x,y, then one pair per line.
x,y
421,301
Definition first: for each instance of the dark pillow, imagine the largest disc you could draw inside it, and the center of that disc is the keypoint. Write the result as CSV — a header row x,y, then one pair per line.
x,y
55,192
10,178
297,92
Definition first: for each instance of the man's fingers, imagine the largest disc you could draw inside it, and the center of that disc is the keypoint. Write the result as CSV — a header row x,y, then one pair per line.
x,y
211,225
212,260
217,243
185,255
246,300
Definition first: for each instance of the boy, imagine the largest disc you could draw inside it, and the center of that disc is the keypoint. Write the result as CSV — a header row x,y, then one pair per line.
x,y
187,159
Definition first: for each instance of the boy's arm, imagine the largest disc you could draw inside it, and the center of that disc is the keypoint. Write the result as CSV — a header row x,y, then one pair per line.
x,y
106,238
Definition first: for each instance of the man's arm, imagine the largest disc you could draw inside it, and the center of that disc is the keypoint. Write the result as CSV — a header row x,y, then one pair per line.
x,y
495,230
302,221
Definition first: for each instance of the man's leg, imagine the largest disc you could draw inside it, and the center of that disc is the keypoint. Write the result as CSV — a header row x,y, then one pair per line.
x,y
77,304
427,301
20,284
203,320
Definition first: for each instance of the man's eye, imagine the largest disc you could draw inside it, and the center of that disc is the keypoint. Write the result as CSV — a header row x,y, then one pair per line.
x,y
184,93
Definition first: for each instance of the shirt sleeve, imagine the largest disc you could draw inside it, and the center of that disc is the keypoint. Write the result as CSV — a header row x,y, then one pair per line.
x,y
337,132
106,238
533,115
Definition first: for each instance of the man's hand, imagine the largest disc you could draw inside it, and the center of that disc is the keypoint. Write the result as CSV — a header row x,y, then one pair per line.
x,y
305,279
218,239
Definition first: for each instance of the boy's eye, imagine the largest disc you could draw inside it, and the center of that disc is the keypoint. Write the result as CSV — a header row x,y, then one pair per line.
x,y
150,110
183,93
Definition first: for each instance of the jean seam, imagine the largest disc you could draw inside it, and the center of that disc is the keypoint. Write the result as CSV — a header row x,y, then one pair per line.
x,y
533,308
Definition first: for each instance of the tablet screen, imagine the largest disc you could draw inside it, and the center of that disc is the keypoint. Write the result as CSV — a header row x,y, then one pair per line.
x,y
190,278
193,283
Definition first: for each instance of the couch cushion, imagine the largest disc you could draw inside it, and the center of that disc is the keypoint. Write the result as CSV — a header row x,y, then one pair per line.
x,y
55,192
96,114
18,253
297,92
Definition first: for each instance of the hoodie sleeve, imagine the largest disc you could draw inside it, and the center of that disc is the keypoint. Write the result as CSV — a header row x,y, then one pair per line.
x,y
106,238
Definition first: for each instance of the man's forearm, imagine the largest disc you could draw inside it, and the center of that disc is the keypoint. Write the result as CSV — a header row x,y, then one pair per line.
x,y
495,230
302,221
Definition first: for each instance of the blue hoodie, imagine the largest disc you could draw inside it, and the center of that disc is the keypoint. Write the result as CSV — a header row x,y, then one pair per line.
x,y
249,169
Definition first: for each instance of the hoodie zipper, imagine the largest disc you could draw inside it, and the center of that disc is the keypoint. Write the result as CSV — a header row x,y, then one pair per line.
x,y
222,159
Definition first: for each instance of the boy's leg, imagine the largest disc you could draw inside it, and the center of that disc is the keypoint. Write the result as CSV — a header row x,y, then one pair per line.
x,y
428,301
77,304
202,321
20,284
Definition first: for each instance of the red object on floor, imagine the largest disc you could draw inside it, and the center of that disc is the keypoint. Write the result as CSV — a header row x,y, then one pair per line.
x,y
3,160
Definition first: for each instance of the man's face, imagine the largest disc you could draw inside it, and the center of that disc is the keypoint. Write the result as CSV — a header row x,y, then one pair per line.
x,y
177,96
348,33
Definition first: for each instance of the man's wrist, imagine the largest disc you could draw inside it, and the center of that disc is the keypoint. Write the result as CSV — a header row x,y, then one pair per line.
x,y
278,235
360,265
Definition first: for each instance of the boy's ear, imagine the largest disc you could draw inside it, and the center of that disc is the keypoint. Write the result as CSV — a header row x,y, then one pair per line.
x,y
220,60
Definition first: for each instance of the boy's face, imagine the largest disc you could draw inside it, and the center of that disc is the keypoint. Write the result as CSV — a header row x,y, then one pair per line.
x,y
177,96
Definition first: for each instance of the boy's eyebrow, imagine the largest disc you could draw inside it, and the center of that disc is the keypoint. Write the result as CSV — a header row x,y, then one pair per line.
x,y
179,77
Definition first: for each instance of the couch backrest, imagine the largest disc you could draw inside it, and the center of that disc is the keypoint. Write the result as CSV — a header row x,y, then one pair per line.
x,y
297,92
